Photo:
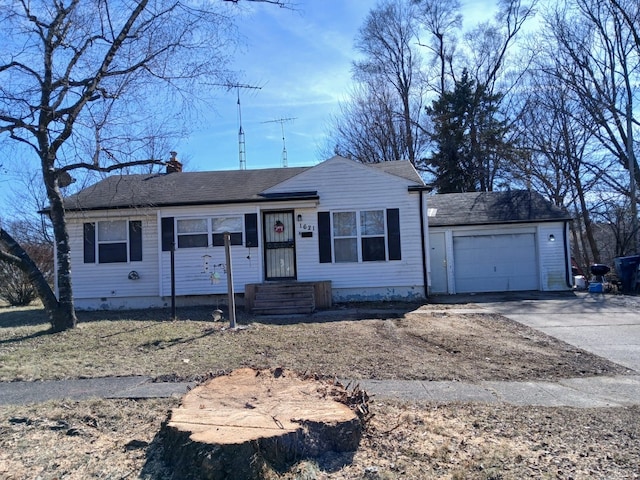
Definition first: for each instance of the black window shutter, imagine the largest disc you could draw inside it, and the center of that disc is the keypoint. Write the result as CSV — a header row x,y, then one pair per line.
x,y
135,241
89,230
167,233
251,229
393,233
324,236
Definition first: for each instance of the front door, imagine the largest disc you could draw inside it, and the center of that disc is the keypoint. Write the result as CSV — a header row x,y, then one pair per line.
x,y
279,245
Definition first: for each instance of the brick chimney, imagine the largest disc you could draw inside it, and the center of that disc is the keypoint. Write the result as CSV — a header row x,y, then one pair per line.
x,y
173,165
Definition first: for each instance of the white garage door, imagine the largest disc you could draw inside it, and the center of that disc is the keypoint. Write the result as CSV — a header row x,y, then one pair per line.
x,y
495,263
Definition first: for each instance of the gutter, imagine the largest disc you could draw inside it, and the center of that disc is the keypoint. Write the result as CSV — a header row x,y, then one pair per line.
x,y
425,279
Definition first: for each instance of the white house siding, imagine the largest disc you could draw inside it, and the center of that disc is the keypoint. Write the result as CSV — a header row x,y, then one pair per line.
x,y
344,185
107,285
542,268
192,276
553,258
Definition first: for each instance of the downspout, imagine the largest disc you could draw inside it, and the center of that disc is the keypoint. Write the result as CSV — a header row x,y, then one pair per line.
x,y
423,243
567,260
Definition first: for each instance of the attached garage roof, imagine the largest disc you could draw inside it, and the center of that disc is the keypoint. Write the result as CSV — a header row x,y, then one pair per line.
x,y
486,208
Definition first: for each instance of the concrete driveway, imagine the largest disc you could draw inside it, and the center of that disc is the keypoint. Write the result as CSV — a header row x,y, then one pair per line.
x,y
605,324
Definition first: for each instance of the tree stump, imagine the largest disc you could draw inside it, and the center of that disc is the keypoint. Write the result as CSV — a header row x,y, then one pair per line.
x,y
238,426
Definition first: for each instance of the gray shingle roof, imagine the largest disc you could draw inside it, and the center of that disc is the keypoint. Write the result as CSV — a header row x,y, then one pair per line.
x,y
179,188
485,208
199,188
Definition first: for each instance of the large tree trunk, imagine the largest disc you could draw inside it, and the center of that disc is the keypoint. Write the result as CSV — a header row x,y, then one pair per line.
x,y
241,425
64,316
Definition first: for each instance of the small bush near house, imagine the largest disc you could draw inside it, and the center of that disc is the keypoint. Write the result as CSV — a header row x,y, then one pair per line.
x,y
15,288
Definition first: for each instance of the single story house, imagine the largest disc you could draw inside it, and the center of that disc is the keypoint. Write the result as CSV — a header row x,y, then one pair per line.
x,y
497,242
347,231
355,226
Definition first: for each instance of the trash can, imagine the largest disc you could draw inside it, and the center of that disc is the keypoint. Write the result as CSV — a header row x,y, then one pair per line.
x,y
627,268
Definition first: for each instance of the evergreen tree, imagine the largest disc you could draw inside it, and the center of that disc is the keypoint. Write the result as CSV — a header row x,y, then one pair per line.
x,y
470,148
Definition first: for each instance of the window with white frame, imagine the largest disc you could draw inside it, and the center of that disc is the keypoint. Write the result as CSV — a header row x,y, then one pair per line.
x,y
113,241
345,237
233,225
359,236
196,232
372,235
192,232
208,231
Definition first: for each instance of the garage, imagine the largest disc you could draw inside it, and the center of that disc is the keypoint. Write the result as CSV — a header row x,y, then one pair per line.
x,y
495,263
506,241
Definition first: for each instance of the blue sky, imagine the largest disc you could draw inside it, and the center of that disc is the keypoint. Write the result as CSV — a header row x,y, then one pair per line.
x,y
302,60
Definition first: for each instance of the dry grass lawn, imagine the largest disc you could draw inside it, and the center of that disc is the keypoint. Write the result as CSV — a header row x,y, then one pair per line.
x,y
427,343
118,439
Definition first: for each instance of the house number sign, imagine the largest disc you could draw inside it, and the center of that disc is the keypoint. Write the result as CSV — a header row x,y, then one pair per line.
x,y
307,227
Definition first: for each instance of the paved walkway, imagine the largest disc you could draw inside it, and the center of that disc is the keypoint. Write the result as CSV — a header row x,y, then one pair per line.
x,y
623,390
616,391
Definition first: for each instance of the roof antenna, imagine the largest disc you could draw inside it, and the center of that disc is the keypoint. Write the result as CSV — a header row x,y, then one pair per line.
x,y
281,121
242,157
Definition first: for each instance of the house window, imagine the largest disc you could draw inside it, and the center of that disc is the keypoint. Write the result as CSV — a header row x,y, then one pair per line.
x,y
116,241
372,233
193,233
365,229
345,237
359,236
233,225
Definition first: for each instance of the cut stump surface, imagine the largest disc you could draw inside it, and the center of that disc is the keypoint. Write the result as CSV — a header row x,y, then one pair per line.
x,y
238,425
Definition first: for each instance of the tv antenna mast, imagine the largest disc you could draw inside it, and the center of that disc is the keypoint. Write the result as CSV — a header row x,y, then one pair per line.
x,y
242,153
282,121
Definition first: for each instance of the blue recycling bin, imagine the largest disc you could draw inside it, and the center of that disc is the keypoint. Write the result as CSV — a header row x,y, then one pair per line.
x,y
627,268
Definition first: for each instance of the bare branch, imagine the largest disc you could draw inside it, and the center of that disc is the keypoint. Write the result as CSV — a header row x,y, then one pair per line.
x,y
110,168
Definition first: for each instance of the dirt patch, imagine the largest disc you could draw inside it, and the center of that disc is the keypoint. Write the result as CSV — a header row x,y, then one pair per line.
x,y
118,439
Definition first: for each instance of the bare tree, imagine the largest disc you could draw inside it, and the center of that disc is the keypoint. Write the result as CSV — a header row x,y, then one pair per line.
x,y
442,21
78,74
386,41
369,128
595,44
561,162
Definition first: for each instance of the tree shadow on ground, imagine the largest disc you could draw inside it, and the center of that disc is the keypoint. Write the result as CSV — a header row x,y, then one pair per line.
x,y
15,339
11,317
34,316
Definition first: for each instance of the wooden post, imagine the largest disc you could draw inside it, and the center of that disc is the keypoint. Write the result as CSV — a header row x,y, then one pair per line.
x,y
230,293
